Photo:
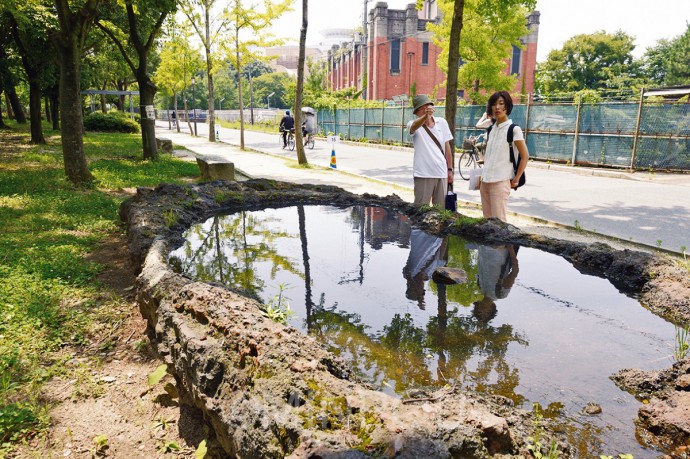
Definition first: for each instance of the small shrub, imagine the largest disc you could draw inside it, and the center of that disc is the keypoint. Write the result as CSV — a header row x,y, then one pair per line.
x,y
110,122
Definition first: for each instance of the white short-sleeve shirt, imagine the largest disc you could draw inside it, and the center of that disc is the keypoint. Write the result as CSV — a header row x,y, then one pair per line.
x,y
429,161
497,165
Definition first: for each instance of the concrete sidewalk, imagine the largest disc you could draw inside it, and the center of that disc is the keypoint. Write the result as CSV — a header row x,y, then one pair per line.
x,y
651,210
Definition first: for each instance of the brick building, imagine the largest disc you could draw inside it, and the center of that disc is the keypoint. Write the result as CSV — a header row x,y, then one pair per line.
x,y
401,53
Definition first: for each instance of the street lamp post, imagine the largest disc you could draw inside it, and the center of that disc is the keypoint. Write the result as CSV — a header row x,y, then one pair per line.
x,y
268,100
194,106
220,104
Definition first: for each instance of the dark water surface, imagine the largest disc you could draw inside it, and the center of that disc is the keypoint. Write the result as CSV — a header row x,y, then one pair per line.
x,y
526,325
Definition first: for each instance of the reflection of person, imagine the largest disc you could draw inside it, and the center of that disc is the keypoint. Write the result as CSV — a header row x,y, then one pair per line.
x,y
432,168
497,270
287,123
498,176
427,252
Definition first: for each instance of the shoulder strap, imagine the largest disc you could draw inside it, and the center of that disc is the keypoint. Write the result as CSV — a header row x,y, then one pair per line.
x,y
433,137
510,145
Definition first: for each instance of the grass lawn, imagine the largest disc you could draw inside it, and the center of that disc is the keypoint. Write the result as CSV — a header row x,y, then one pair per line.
x,y
52,306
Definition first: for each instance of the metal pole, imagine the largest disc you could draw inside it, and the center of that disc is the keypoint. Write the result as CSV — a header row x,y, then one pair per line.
x,y
251,99
402,122
364,51
348,118
529,98
637,131
577,131
383,107
194,106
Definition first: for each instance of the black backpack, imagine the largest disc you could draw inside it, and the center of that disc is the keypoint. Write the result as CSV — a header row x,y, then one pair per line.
x,y
516,163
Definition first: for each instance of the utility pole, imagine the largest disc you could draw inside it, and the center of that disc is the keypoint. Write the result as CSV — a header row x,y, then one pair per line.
x,y
365,82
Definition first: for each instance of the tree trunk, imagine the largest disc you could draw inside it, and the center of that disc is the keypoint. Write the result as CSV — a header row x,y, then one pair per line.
x,y
177,115
301,156
10,113
453,61
186,115
2,123
46,104
55,111
147,91
71,112
210,119
104,109
239,87
120,102
35,112
17,109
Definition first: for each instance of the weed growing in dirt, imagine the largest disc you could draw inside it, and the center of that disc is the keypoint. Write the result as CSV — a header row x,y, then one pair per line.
x,y
682,342
684,263
535,443
52,303
278,308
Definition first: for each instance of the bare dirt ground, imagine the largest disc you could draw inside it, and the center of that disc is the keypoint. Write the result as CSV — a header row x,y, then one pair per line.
x,y
108,409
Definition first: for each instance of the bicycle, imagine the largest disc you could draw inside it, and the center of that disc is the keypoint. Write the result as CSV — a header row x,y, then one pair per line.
x,y
471,157
290,139
309,141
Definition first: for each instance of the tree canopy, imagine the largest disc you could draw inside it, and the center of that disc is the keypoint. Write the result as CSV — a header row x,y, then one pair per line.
x,y
587,61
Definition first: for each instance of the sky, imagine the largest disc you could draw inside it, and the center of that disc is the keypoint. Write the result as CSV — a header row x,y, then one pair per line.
x,y
644,20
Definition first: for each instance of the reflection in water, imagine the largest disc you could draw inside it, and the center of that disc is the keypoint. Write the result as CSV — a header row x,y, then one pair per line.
x,y
497,270
427,252
542,343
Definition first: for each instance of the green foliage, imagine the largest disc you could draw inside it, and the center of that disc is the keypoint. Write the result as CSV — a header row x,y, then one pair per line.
x,y
158,374
535,445
667,63
201,450
51,302
682,342
100,445
489,30
278,308
278,83
110,122
589,61
18,422
170,218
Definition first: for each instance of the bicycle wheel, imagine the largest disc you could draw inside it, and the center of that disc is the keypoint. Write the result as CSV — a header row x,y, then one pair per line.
x,y
310,142
291,142
466,162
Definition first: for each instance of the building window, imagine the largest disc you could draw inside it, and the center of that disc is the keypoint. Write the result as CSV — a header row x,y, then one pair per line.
x,y
515,61
425,53
395,55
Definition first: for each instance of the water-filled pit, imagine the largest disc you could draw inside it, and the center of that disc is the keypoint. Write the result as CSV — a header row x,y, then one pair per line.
x,y
526,324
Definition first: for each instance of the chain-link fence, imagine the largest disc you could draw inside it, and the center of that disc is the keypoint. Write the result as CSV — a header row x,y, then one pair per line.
x,y
635,135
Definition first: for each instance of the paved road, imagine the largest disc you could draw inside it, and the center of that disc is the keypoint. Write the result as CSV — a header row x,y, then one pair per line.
x,y
651,209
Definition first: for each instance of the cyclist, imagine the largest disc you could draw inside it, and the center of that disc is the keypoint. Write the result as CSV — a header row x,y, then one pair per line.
x,y
308,126
287,124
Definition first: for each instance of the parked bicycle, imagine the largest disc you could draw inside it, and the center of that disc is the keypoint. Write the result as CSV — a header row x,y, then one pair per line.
x,y
290,139
473,148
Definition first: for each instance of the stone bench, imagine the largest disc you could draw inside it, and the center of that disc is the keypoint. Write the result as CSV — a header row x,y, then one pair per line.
x,y
214,168
164,144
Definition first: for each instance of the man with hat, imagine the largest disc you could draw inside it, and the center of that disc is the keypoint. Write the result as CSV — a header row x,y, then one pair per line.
x,y
432,166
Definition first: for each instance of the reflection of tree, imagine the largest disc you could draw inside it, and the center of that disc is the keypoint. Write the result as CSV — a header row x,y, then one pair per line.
x,y
219,250
308,303
379,226
459,256
402,352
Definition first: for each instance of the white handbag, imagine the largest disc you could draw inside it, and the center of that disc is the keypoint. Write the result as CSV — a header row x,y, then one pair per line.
x,y
475,178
